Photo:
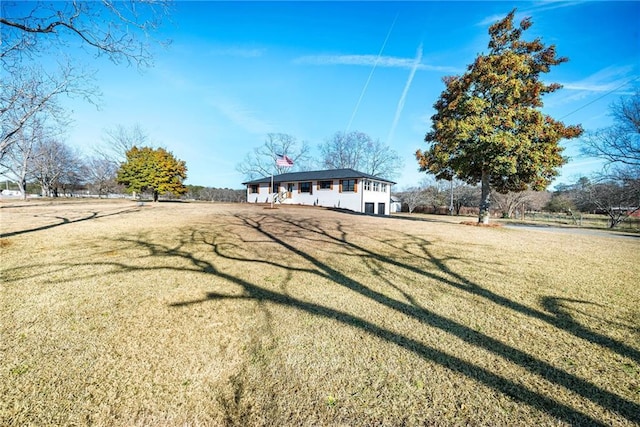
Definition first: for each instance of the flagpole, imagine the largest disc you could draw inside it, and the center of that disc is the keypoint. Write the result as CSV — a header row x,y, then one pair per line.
x,y
281,161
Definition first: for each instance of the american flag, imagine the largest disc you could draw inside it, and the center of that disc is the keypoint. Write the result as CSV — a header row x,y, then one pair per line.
x,y
283,160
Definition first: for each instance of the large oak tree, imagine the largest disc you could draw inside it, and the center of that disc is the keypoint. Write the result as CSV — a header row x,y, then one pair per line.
x,y
489,128
155,170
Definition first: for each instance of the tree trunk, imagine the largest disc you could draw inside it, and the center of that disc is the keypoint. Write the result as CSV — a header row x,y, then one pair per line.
x,y
485,200
155,196
22,186
614,219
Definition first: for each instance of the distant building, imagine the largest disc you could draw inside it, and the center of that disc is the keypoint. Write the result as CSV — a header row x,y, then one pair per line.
x,y
11,193
396,204
336,188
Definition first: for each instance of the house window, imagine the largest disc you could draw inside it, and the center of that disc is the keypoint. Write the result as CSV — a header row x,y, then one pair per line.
x,y
376,186
304,187
254,188
383,187
348,185
325,185
276,187
367,185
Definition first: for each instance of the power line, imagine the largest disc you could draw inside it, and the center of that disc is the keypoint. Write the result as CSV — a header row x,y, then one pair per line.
x,y
599,98
375,65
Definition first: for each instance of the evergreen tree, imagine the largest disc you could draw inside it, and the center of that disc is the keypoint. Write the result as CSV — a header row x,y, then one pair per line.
x,y
488,126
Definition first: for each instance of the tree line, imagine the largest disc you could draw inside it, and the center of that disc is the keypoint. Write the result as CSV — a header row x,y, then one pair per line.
x,y
37,72
459,198
343,150
123,163
617,197
75,175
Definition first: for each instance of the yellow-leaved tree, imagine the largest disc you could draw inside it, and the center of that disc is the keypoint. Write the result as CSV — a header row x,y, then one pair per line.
x,y
154,170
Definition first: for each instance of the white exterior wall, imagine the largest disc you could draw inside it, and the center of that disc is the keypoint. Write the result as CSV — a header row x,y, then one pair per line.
x,y
332,198
377,197
262,196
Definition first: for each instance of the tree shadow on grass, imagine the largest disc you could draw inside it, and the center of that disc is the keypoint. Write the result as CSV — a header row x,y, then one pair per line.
x,y
243,241
561,310
557,319
64,221
266,226
406,217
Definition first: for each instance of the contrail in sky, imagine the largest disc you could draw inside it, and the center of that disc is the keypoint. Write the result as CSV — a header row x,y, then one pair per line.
x,y
403,97
375,64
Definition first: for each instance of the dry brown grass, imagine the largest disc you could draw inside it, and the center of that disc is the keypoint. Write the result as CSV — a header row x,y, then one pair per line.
x,y
203,314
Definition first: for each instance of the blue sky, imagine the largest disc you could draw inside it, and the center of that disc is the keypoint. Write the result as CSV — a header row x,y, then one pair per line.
x,y
237,71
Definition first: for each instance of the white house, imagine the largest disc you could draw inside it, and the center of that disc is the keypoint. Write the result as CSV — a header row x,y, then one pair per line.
x,y
337,188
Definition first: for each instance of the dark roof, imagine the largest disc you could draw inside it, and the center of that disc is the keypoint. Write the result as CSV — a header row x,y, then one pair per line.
x,y
317,176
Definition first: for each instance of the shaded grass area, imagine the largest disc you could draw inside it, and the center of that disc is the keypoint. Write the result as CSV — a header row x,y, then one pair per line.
x,y
235,315
630,224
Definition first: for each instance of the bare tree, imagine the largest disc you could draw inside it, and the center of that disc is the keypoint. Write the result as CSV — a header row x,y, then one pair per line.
x,y
72,178
121,139
436,192
381,160
616,190
413,197
464,195
101,168
619,144
100,175
16,166
31,94
261,161
119,30
357,150
53,163
524,200
617,195
17,162
118,140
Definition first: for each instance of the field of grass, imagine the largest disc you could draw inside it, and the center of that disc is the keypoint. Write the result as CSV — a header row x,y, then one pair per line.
x,y
630,224
210,314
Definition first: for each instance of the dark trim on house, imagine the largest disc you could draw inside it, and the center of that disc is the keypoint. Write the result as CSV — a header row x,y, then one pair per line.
x,y
322,175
